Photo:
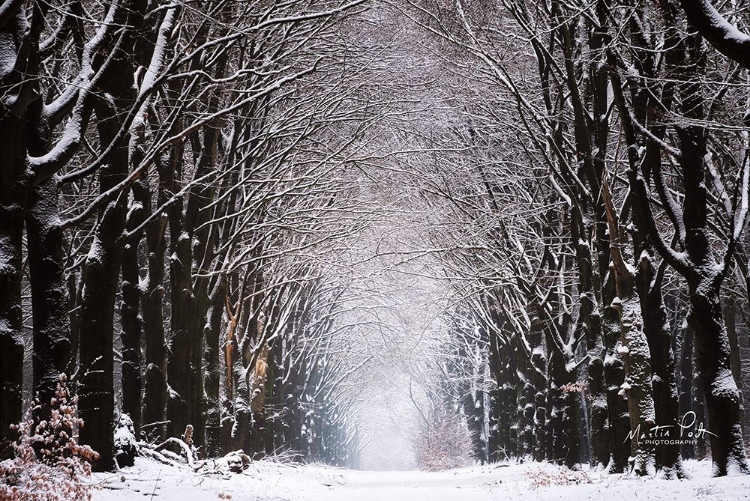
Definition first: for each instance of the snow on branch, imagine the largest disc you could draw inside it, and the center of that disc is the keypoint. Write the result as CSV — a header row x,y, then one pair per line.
x,y
715,28
307,17
8,9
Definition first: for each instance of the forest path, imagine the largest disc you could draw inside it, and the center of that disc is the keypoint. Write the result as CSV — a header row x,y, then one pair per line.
x,y
265,481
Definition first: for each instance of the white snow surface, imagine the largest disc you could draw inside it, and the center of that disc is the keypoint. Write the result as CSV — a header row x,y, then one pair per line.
x,y
274,482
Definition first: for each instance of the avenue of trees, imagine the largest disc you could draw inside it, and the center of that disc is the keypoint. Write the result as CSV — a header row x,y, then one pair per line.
x,y
595,240
184,187
169,179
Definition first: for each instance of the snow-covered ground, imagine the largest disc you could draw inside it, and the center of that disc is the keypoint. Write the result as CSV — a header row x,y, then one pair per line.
x,y
266,481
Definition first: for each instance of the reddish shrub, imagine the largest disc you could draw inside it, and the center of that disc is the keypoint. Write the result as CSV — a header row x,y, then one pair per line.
x,y
48,465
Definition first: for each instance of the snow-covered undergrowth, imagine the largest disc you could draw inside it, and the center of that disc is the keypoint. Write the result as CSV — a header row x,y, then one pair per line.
x,y
263,481
48,464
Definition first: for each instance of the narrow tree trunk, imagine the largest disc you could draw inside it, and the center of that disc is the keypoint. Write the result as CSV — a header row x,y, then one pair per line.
x,y
701,446
734,346
132,385
75,292
273,400
242,422
525,420
664,383
212,335
473,408
686,385
155,387
508,429
571,407
600,439
258,401
493,425
179,371
495,441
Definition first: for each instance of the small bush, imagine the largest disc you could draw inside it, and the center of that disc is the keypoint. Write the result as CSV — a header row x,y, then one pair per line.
x,y
442,443
539,477
48,465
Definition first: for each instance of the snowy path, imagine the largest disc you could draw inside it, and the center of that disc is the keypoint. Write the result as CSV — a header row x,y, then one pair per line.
x,y
273,482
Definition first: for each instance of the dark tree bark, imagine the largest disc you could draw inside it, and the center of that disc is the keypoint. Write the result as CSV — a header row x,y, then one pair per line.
x,y
734,348
274,421
14,192
48,292
132,384
74,285
648,279
25,128
666,403
724,36
191,241
100,276
600,439
704,277
617,409
686,384
719,388
505,397
179,373
102,268
155,378
212,335
699,404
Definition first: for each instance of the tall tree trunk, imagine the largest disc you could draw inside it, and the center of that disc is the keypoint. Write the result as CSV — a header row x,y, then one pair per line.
x,y
258,401
637,385
617,409
132,384
242,414
734,346
179,373
273,399
686,385
11,325
100,276
705,276
212,335
14,190
699,404
155,377
75,291
102,267
600,440
48,292
713,358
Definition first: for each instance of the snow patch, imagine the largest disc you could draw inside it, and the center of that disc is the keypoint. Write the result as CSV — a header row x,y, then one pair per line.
x,y
507,481
125,443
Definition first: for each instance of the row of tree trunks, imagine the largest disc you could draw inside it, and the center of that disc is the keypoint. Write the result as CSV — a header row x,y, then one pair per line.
x,y
101,270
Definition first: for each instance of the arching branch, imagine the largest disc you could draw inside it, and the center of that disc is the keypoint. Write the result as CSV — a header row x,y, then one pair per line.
x,y
724,36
